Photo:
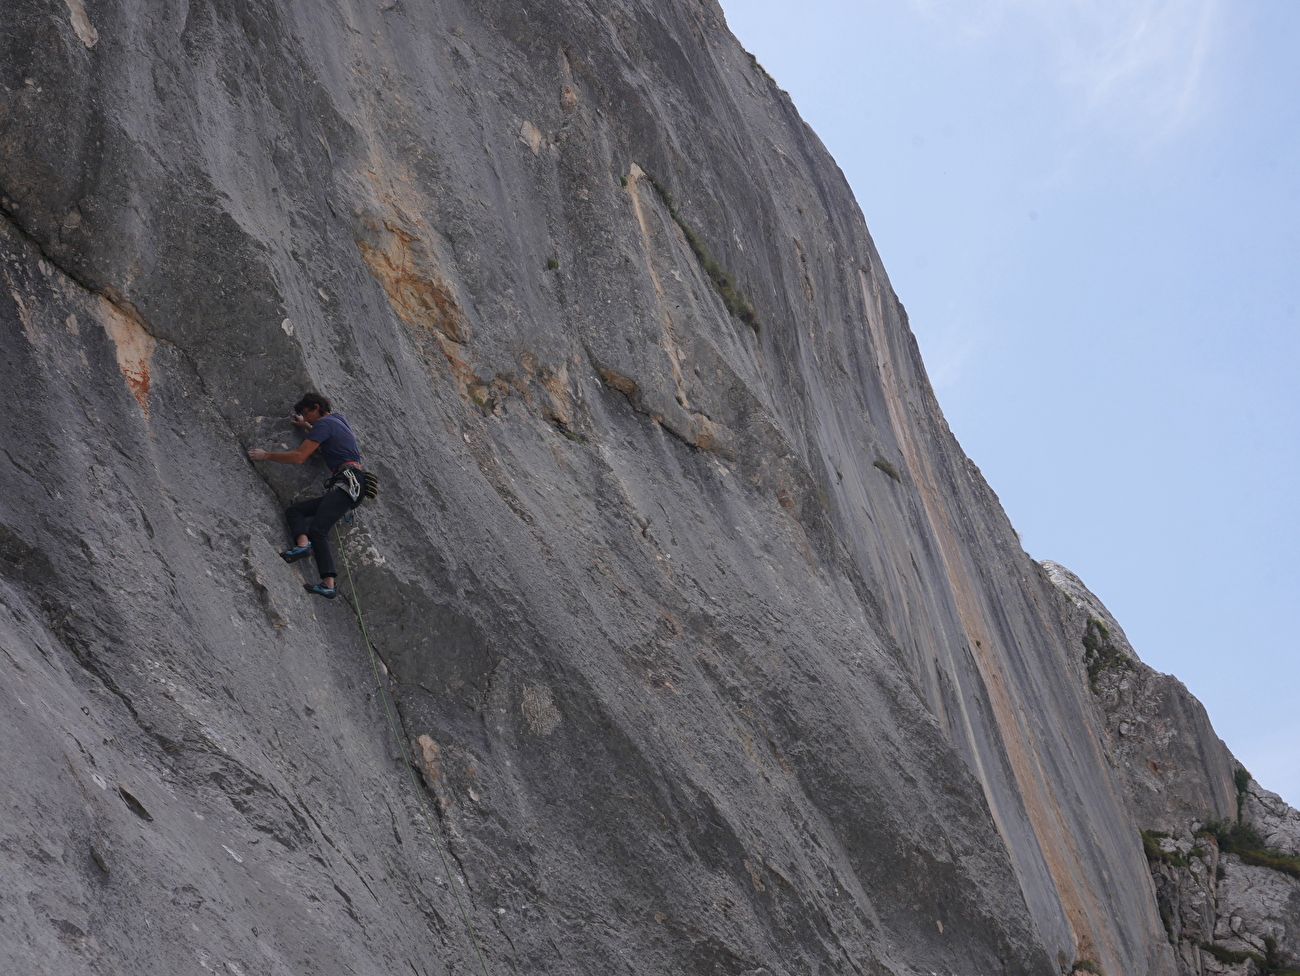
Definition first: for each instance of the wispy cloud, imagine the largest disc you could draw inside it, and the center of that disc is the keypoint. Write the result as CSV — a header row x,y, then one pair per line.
x,y
1135,63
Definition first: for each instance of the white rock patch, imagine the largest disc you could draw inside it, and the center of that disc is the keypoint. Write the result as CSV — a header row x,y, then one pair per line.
x,y
81,23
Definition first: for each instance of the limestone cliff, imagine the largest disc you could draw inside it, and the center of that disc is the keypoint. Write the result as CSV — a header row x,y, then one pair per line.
x,y
714,651
1222,850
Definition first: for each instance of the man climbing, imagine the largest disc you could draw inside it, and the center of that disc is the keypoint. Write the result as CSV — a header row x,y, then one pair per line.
x,y
338,447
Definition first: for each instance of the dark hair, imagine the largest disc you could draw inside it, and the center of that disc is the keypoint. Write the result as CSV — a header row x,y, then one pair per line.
x,y
310,400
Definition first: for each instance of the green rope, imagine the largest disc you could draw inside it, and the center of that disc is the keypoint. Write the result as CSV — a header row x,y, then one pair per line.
x,y
401,744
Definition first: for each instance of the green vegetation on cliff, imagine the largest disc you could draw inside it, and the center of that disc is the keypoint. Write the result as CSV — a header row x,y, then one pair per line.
x,y
1100,653
1242,840
737,304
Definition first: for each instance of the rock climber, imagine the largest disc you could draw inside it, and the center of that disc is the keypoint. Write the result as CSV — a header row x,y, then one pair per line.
x,y
343,491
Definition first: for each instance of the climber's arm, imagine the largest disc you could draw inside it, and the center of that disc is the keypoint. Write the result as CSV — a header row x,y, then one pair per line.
x,y
286,457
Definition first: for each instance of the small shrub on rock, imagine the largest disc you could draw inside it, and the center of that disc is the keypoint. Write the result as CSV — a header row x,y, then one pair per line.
x,y
1100,653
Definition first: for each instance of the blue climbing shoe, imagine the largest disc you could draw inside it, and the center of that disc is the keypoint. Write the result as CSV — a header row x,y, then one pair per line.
x,y
327,592
296,553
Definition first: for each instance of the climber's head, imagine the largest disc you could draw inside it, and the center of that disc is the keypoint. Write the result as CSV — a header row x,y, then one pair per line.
x,y
312,407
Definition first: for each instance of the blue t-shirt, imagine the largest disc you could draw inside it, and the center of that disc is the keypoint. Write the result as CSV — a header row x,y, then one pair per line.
x,y
337,442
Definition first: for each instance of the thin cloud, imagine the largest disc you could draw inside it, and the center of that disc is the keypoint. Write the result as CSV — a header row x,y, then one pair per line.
x,y
1137,64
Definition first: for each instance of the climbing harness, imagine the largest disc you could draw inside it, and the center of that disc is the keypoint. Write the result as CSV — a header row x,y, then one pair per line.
x,y
358,484
346,481
401,745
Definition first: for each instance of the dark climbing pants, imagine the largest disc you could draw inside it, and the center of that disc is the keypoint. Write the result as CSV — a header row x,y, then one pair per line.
x,y
323,512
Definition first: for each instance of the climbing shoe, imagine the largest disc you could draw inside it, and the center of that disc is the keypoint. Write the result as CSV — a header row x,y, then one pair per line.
x,y
296,553
327,592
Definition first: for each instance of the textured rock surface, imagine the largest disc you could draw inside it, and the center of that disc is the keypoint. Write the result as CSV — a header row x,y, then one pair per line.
x,y
1210,898
715,652
1158,738
1179,779
1276,822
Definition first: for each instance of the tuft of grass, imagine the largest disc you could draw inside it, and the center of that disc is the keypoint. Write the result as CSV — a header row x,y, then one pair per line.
x,y
1086,966
1242,840
1269,964
737,304
1151,848
1100,653
1273,962
888,468
758,67
552,264
564,429
1230,958
623,181
1241,776
1168,921
1285,863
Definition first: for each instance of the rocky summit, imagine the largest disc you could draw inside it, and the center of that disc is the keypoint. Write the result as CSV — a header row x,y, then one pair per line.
x,y
682,637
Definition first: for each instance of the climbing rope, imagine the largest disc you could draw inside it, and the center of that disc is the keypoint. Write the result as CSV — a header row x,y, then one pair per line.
x,y
401,745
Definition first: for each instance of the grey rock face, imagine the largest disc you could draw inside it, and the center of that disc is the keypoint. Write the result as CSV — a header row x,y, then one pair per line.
x,y
1257,904
713,651
1276,822
1175,770
1179,780
1209,899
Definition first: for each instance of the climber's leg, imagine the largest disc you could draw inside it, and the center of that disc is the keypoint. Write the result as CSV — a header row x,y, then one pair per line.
x,y
329,509
297,516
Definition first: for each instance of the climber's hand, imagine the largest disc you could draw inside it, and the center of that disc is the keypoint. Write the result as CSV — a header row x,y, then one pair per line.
x,y
257,454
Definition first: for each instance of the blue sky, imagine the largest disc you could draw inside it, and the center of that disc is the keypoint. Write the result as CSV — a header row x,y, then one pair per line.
x,y
1091,209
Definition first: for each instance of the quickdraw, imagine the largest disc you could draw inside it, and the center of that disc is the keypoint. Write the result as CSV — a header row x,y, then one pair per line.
x,y
358,484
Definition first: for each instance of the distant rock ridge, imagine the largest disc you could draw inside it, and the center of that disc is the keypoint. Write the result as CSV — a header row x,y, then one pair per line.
x,y
714,652
1229,899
